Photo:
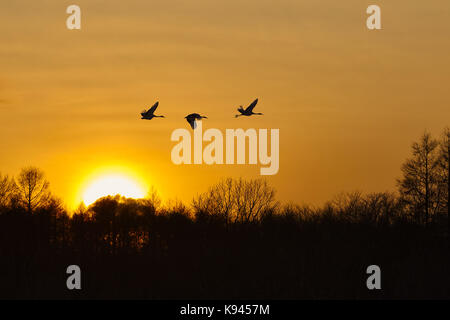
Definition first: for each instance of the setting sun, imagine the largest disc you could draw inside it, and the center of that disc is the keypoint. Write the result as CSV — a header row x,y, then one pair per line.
x,y
111,185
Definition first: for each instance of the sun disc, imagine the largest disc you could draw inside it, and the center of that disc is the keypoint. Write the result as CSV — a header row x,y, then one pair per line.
x,y
112,185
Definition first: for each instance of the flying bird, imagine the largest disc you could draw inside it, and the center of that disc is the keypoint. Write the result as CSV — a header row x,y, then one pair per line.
x,y
249,111
149,114
192,117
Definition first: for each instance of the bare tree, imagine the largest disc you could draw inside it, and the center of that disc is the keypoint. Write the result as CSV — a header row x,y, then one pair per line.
x,y
380,208
7,188
32,188
252,198
445,171
218,200
237,200
152,201
420,187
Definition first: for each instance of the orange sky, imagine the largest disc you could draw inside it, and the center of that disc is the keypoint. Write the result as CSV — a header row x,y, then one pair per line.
x,y
348,101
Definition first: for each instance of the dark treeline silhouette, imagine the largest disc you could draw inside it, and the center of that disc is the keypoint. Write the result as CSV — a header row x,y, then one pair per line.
x,y
235,241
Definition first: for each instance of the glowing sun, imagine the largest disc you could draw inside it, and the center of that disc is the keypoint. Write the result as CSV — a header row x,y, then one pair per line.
x,y
111,185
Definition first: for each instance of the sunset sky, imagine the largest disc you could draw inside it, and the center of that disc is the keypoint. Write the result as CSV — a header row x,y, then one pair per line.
x,y
348,101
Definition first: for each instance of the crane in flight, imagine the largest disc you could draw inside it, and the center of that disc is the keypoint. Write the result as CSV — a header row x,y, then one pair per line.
x,y
191,118
248,111
150,113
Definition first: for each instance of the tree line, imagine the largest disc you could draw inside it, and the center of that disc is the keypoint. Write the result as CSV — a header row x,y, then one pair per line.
x,y
235,240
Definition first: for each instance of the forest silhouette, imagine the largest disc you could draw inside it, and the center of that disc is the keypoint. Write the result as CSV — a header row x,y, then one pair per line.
x,y
234,241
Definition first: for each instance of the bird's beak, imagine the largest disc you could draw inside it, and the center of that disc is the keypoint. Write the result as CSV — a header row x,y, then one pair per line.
x,y
205,117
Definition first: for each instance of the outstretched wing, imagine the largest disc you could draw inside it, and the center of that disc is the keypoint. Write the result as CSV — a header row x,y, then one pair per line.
x,y
192,122
144,112
240,109
152,109
250,107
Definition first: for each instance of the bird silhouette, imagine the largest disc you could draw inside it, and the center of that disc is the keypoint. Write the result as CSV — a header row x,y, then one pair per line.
x,y
190,118
249,111
149,114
